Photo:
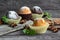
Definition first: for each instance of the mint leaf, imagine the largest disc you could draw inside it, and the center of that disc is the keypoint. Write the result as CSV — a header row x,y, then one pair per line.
x,y
48,16
29,32
5,19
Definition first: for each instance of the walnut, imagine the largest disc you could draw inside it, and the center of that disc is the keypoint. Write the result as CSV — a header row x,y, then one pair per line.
x,y
53,29
51,22
13,25
57,21
23,21
1,22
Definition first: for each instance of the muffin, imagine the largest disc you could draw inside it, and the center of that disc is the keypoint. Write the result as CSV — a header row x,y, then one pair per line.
x,y
10,21
25,12
37,9
37,12
39,25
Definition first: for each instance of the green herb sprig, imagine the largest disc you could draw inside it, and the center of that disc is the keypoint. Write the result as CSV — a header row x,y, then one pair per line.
x,y
29,32
5,19
47,15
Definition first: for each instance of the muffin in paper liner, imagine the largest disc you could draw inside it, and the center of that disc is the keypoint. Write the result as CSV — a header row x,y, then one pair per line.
x,y
37,12
25,13
40,29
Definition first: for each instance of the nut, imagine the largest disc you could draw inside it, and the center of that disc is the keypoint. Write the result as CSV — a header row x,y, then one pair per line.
x,y
53,29
22,21
1,22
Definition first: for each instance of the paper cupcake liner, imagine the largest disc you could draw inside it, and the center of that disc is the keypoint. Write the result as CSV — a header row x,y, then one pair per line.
x,y
40,29
34,16
15,21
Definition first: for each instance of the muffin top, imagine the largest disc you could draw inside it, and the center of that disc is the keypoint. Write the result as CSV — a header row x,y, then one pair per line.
x,y
39,22
25,10
37,9
12,15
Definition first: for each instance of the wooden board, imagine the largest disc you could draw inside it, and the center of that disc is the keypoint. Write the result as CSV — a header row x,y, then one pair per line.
x,y
5,29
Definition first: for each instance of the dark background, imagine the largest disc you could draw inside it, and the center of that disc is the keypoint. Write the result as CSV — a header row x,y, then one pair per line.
x,y
52,6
